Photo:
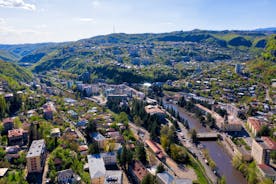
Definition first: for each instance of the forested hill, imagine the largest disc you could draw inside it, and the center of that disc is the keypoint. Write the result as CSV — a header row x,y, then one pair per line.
x,y
13,74
139,49
264,67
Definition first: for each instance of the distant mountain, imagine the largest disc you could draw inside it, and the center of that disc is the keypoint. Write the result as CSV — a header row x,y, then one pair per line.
x,y
268,29
138,49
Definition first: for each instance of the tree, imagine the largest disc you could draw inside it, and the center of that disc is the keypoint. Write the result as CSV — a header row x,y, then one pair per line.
x,y
93,148
91,126
148,179
178,153
194,136
264,131
266,181
3,107
124,157
222,180
137,120
160,168
141,154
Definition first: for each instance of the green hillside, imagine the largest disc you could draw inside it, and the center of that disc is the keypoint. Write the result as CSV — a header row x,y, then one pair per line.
x,y
264,67
13,74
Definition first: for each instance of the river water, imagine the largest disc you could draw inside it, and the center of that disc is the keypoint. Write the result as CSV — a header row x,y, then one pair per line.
x,y
216,151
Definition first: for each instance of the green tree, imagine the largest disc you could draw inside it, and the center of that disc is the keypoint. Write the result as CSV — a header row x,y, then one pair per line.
x,y
222,180
141,154
148,179
194,136
160,168
3,107
178,153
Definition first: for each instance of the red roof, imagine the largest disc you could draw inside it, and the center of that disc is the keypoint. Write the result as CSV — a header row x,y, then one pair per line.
x,y
83,148
153,146
266,169
15,132
255,123
139,170
7,120
269,142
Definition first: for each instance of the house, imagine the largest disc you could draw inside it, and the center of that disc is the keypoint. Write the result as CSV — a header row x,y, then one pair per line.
x,y
164,178
113,177
267,171
182,181
138,171
254,125
67,176
261,149
158,152
97,169
55,132
8,124
12,149
99,139
17,137
82,123
83,149
115,136
48,114
109,158
154,110
3,172
36,156
73,114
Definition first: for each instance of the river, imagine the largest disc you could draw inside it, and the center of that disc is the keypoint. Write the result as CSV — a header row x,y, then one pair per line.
x,y
216,151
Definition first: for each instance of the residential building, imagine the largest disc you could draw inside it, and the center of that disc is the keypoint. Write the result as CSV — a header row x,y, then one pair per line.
x,y
17,137
36,156
154,110
138,171
8,124
109,158
261,148
97,169
3,172
99,138
113,177
164,178
55,132
67,177
254,125
267,171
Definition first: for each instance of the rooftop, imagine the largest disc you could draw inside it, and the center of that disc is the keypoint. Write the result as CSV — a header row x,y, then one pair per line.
x,y
97,136
113,177
153,109
139,170
165,177
96,166
15,132
36,148
267,170
256,123
3,171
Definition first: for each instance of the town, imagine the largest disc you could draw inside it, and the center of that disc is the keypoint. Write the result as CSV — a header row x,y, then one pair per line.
x,y
68,131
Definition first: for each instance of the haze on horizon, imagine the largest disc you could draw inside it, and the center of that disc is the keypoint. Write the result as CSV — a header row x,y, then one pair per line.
x,y
33,21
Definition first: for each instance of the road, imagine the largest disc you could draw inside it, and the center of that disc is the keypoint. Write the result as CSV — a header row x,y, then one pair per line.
x,y
170,164
80,135
187,142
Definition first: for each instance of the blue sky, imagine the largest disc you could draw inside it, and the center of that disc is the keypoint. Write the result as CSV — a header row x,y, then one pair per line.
x,y
31,21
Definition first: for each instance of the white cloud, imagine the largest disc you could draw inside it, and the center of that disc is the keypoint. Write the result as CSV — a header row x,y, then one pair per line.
x,y
17,4
85,19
